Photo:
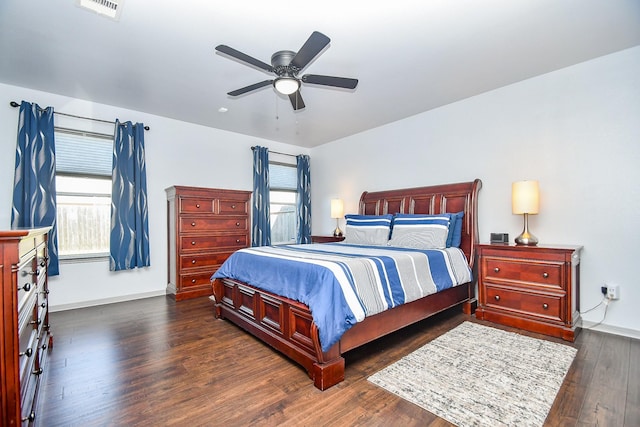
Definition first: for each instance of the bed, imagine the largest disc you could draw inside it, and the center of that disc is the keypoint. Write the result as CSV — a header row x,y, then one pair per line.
x,y
289,326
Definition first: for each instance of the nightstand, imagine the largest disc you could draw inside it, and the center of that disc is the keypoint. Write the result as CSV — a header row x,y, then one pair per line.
x,y
536,288
326,239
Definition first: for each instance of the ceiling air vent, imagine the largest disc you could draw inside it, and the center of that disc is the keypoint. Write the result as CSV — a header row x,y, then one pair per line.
x,y
109,8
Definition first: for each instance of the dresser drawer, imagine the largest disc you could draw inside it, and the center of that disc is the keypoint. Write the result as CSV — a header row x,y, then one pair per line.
x,y
203,260
233,207
196,205
196,279
28,352
213,223
197,243
522,271
28,394
26,284
547,306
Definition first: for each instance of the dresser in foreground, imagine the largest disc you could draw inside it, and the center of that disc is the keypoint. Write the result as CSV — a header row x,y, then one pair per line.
x,y
25,336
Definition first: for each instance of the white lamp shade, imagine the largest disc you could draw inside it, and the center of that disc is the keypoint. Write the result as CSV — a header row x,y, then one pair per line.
x,y
337,208
525,197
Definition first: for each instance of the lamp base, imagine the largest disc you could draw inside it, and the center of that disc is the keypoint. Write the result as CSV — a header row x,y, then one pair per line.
x,y
337,232
526,239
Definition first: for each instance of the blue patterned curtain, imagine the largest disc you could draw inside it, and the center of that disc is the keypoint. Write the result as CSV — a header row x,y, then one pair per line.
x,y
34,188
261,229
129,209
303,199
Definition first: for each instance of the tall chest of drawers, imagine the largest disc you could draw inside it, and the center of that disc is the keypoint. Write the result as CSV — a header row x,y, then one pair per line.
x,y
205,226
536,288
25,334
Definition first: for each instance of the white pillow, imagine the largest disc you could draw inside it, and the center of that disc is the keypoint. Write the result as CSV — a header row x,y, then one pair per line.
x,y
368,229
420,231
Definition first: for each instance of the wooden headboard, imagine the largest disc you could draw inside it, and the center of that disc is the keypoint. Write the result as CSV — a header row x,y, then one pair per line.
x,y
435,199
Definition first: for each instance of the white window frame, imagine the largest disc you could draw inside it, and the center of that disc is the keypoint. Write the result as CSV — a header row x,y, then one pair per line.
x,y
294,192
86,256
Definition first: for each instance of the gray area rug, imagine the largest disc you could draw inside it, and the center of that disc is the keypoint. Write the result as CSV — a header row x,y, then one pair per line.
x,y
476,375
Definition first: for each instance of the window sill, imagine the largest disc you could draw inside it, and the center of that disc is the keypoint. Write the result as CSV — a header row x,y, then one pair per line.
x,y
75,259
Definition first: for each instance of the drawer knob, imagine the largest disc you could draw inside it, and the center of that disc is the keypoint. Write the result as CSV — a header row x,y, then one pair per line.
x,y
237,224
545,306
26,287
28,352
193,280
193,261
233,206
193,224
193,242
237,240
38,371
497,297
198,205
36,322
43,305
31,417
496,270
545,275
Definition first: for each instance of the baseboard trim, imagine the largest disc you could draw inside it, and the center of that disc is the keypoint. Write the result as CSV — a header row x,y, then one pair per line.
x,y
615,330
92,303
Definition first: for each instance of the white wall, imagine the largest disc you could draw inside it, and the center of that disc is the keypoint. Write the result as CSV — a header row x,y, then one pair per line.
x,y
177,153
576,130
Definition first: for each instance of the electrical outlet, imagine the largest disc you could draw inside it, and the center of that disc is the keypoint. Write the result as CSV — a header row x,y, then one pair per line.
x,y
613,291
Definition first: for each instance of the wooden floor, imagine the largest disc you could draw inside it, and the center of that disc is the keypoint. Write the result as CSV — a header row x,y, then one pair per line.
x,y
154,362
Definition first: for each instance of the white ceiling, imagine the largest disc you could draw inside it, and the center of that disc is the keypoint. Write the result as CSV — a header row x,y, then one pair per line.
x,y
410,56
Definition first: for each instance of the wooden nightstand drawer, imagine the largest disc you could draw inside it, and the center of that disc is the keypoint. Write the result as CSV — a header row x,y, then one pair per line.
x,y
536,288
326,239
522,271
548,306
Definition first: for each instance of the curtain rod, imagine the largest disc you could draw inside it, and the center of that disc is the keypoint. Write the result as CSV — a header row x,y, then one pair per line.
x,y
15,105
276,152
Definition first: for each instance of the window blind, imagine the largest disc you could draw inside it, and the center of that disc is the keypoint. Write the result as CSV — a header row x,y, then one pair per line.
x,y
282,177
79,153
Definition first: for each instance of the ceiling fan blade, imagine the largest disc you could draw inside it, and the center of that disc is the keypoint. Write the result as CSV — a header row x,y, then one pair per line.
x,y
244,57
296,100
249,88
342,82
311,48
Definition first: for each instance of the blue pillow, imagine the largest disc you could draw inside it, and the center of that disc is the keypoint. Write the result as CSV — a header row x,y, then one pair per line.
x,y
367,229
455,230
420,231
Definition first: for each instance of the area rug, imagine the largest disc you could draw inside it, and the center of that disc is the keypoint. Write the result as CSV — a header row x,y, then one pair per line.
x,y
476,375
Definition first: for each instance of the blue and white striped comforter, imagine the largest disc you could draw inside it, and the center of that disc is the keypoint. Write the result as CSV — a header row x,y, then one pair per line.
x,y
341,283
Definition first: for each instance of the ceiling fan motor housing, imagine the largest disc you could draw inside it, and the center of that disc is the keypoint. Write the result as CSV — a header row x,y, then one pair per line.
x,y
281,61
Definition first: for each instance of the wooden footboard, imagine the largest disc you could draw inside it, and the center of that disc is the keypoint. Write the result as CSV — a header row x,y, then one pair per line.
x,y
288,326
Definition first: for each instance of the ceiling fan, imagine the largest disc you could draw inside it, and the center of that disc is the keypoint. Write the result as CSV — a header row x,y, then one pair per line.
x,y
286,65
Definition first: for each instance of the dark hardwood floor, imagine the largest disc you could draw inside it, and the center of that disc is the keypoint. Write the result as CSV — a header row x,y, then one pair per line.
x,y
155,362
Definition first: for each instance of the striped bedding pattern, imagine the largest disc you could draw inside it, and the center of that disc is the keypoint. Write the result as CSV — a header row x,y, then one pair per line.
x,y
343,283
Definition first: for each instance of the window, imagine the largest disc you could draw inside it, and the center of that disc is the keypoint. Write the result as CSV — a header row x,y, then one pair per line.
x,y
282,194
83,191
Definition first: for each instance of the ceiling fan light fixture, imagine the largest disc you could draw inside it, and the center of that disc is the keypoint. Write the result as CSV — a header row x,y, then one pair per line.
x,y
286,85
